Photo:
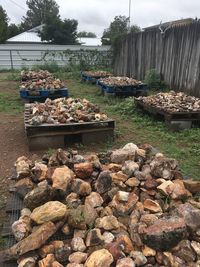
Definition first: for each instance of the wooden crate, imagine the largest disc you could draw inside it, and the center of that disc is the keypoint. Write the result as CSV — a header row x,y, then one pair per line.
x,y
54,136
174,120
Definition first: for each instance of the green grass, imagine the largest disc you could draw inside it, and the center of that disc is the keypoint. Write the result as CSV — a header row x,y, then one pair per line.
x,y
10,103
133,126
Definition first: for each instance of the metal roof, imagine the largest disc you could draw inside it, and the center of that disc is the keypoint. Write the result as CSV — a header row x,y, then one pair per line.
x,y
89,41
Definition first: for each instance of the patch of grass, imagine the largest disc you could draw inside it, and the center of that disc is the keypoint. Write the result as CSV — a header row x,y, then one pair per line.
x,y
134,126
10,103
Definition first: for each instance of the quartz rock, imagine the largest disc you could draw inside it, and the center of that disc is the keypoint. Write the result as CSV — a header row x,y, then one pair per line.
x,y
107,222
78,244
94,200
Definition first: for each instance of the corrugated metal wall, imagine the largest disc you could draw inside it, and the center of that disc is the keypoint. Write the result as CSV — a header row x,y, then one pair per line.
x,y
175,55
26,55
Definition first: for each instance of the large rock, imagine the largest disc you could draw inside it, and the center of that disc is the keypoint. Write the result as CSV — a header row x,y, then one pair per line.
x,y
190,215
81,187
83,170
128,152
50,211
130,167
38,196
39,171
62,177
100,258
94,200
32,242
164,234
107,222
104,182
22,166
178,191
23,187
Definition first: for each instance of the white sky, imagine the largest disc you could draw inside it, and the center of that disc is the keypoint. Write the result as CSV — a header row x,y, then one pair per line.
x,y
96,15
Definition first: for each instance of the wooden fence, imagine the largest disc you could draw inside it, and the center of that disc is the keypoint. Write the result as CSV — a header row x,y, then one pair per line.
x,y
175,55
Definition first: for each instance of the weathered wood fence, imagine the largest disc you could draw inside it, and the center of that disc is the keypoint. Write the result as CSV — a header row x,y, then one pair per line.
x,y
175,55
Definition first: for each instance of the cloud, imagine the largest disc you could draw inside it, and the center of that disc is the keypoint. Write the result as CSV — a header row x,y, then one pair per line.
x,y
96,15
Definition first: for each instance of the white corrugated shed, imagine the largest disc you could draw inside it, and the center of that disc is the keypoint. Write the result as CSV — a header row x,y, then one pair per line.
x,y
89,41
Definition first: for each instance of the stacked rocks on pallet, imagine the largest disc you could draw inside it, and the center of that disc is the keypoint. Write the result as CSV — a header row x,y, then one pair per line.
x,y
35,75
119,81
173,102
128,207
64,110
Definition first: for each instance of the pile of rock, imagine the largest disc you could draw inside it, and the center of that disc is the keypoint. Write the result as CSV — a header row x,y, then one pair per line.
x,y
97,73
128,207
119,81
173,102
42,84
65,110
35,75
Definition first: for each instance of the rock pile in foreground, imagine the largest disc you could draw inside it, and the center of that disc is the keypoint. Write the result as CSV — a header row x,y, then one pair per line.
x,y
173,102
65,110
125,208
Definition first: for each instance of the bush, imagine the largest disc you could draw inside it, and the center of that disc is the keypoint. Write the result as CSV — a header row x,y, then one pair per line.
x,y
51,66
154,81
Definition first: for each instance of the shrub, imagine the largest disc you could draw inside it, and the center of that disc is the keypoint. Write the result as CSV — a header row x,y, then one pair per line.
x,y
154,81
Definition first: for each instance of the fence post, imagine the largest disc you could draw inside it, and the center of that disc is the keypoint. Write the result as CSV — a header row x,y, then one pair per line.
x,y
11,59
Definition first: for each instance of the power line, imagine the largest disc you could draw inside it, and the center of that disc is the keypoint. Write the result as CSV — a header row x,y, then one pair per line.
x,y
17,4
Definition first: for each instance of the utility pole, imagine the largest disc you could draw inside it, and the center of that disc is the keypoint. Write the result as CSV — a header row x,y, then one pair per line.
x,y
129,15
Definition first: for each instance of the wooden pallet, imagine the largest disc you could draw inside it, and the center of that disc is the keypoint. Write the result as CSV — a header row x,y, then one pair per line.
x,y
54,136
174,120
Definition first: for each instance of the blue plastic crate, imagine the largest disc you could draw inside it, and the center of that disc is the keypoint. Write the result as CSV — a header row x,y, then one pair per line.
x,y
43,94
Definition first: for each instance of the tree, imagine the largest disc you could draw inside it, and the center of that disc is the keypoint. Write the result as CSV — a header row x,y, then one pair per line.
x,y
117,29
3,25
40,12
60,32
87,34
14,30
135,28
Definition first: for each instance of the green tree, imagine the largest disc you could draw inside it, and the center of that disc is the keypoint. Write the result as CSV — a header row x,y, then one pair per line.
x,y
60,32
40,12
87,34
135,28
14,30
117,29
3,25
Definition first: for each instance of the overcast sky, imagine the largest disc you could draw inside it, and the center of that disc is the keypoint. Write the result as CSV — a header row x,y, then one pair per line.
x,y
96,15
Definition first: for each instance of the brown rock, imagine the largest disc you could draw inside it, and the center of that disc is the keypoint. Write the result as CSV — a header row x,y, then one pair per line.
x,y
46,261
116,250
39,171
56,264
125,262
81,187
132,182
104,182
22,166
94,200
38,196
152,206
177,190
107,222
148,219
23,186
126,206
73,200
139,258
125,240
190,215
184,251
192,186
150,184
196,247
130,167
164,187
78,257
164,234
62,177
83,170
73,264
119,177
78,244
50,211
66,229
148,252
32,242
30,262
94,238
46,249
100,258
21,228
76,218
113,167
90,214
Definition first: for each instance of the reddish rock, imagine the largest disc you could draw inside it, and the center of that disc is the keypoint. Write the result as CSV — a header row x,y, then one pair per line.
x,y
164,234
116,250
126,241
83,170
150,184
190,215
